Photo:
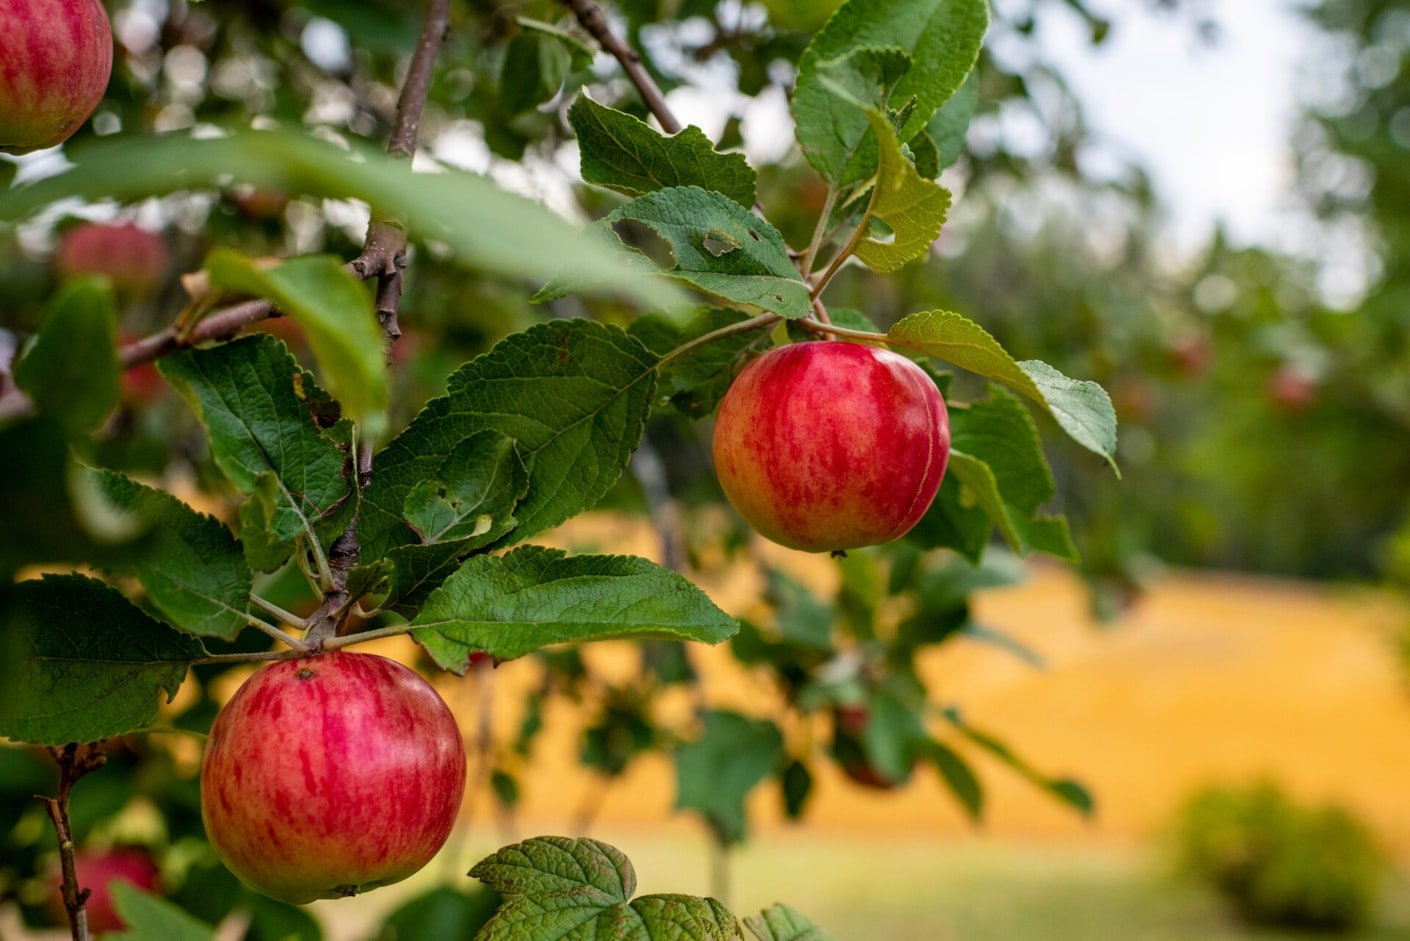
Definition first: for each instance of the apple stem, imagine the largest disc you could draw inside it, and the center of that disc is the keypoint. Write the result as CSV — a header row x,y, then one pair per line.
x,y
744,326
73,765
285,617
828,329
810,257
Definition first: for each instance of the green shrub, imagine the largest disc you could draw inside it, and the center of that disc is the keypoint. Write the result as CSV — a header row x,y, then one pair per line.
x,y
1280,863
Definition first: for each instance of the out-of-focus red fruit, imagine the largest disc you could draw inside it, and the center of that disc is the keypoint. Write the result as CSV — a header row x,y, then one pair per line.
x,y
56,57
285,328
1292,389
129,256
140,384
1192,354
97,872
826,445
260,203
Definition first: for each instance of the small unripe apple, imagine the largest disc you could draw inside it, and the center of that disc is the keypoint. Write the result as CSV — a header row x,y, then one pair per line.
x,y
826,445
96,872
129,256
55,60
331,775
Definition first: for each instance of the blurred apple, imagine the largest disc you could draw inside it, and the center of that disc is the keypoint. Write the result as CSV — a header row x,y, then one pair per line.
x,y
96,872
132,258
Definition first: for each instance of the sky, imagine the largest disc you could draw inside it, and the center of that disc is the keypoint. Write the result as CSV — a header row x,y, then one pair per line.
x,y
1211,122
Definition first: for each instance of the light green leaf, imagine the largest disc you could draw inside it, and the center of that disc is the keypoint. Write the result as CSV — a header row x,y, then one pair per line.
x,y
626,154
149,918
511,605
558,888
715,773
335,311
254,402
82,662
574,396
496,232
914,207
191,567
1082,409
70,368
942,37
781,923
718,246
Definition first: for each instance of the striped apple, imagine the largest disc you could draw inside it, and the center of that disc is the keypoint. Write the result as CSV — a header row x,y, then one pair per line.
x,y
55,60
331,775
825,445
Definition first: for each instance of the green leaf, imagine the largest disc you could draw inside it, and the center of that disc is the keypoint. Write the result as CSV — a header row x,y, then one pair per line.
x,y
192,568
533,71
559,888
694,382
149,918
574,396
1082,409
893,737
440,913
942,37
948,128
717,245
473,494
84,663
484,226
996,453
958,777
70,368
278,921
715,773
781,923
626,154
335,311
252,399
581,53
914,207
510,605
1068,791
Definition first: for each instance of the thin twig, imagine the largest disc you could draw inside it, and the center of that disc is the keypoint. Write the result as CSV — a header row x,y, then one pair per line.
x,y
276,633
817,326
73,764
593,20
744,326
285,617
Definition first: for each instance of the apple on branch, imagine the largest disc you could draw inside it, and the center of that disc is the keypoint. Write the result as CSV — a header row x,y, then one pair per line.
x,y
331,775
56,57
826,445
96,871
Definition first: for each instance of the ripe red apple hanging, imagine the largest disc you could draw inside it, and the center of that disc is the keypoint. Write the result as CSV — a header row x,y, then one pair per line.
x,y
331,775
825,445
56,57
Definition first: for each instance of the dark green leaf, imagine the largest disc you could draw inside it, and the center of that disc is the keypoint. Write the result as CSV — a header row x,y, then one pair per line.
x,y
948,128
574,396
623,153
279,921
70,368
958,777
796,786
781,923
694,382
1082,409
716,772
894,736
335,311
942,37
533,71
442,913
507,235
533,597
473,494
1066,790
192,568
248,396
717,245
84,663
149,918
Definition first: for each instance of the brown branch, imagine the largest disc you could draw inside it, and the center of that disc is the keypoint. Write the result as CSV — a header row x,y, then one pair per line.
x,y
73,765
593,20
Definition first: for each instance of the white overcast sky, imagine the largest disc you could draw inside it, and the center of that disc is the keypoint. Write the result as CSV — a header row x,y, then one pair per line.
x,y
1212,123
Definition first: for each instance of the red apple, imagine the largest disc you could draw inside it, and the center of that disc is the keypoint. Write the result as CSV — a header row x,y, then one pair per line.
x,y
96,872
131,257
827,445
55,60
1292,389
331,775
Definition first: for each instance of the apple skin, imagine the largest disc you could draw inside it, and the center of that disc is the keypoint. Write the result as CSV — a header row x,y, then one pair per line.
x,y
331,775
826,445
96,872
130,257
56,57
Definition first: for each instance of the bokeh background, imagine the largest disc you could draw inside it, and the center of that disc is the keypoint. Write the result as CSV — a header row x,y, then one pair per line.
x,y
1205,207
